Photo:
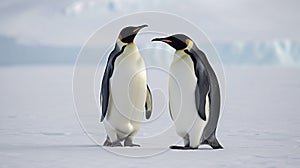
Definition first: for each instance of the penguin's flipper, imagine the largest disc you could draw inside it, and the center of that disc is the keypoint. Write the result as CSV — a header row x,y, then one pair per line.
x,y
170,112
104,96
202,87
201,92
148,103
105,93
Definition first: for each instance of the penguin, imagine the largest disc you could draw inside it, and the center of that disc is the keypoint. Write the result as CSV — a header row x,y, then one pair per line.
x,y
125,96
194,94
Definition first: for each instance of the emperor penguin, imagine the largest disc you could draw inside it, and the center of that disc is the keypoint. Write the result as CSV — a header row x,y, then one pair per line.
x,y
194,94
125,96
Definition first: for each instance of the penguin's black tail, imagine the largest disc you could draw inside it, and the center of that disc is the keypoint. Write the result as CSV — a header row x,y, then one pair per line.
x,y
212,141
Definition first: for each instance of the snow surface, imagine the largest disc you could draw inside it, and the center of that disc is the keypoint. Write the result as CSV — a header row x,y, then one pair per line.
x,y
259,126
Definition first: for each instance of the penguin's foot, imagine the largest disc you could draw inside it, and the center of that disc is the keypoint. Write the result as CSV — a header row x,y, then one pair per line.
x,y
107,143
182,147
192,148
186,146
128,142
213,143
216,146
116,144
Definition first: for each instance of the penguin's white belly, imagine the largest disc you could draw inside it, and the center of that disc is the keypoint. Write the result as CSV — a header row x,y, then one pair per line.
x,y
182,84
128,91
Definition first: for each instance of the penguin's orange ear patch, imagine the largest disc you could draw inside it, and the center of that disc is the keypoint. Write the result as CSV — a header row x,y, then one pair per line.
x,y
166,41
120,37
187,41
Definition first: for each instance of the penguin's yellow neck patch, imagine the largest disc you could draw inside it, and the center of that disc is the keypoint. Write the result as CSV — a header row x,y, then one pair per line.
x,y
180,54
189,44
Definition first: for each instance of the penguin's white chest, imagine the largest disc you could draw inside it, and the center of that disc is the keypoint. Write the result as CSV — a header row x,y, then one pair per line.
x,y
128,86
182,84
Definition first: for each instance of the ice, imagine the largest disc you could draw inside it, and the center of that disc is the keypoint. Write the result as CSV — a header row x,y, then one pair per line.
x,y
259,126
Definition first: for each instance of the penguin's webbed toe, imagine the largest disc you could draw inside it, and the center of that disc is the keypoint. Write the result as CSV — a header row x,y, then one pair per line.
x,y
116,144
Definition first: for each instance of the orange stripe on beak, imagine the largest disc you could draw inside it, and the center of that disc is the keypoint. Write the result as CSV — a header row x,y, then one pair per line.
x,y
166,41
137,29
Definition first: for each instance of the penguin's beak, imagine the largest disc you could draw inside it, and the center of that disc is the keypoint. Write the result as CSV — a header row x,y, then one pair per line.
x,y
138,28
157,39
166,40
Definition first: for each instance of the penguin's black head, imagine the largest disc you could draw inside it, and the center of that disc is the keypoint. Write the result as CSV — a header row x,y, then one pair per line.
x,y
177,41
127,34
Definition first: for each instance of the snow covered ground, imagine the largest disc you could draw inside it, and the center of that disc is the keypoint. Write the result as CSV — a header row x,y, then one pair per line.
x,y
259,126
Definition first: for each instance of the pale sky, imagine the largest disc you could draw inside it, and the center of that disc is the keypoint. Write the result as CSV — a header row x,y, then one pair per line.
x,y
70,23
